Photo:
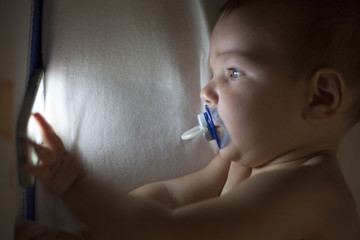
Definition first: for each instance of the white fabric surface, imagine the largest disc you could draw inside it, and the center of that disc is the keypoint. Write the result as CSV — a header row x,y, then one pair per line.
x,y
122,84
123,81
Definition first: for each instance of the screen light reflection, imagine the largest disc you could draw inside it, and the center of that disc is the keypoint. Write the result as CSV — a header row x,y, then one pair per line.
x,y
33,129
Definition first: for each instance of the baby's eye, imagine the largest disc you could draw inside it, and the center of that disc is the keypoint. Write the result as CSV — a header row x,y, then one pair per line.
x,y
234,73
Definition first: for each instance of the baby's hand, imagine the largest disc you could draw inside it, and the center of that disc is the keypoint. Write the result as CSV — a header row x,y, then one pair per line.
x,y
57,169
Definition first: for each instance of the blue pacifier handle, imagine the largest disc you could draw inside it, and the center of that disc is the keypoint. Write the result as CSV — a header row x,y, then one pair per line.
x,y
211,126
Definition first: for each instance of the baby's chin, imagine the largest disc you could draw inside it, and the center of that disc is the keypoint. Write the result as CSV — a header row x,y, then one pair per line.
x,y
230,153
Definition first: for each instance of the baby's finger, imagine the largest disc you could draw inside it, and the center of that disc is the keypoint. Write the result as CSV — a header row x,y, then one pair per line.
x,y
50,138
47,156
40,172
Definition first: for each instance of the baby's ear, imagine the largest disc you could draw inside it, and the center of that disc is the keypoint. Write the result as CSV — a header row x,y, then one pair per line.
x,y
325,96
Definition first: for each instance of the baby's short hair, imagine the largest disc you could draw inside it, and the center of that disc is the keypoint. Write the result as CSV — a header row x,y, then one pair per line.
x,y
317,33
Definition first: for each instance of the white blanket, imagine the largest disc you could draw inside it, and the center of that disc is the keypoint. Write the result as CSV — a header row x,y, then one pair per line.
x,y
123,80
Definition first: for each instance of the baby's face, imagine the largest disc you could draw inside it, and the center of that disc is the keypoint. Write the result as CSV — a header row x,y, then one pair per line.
x,y
257,97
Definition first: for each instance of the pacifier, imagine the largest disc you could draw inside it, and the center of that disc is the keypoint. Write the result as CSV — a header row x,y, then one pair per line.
x,y
207,128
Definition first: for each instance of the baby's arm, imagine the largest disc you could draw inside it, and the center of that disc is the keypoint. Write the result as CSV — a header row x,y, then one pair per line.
x,y
198,186
111,214
31,230
61,173
58,170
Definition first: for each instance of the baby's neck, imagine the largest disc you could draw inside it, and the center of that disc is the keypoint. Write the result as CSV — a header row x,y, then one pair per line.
x,y
297,158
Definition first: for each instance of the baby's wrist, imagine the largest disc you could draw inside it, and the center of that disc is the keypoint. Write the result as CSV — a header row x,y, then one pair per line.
x,y
76,180
70,173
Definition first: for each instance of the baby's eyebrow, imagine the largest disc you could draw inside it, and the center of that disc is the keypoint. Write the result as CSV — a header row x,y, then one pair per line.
x,y
224,56
253,58
234,51
238,53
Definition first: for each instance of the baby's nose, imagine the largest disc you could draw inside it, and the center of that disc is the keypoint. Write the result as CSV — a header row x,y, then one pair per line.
x,y
209,95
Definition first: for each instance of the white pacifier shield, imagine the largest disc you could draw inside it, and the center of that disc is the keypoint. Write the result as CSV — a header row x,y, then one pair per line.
x,y
198,130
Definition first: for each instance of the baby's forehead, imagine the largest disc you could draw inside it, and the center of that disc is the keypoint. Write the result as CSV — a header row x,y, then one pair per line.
x,y
270,16
274,26
244,32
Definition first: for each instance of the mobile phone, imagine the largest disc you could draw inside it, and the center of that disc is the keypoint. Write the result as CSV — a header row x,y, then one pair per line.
x,y
34,101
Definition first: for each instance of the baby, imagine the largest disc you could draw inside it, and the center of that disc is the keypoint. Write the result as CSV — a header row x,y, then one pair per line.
x,y
285,82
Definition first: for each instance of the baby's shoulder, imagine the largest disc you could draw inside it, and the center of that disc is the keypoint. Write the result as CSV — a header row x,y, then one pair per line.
x,y
314,196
